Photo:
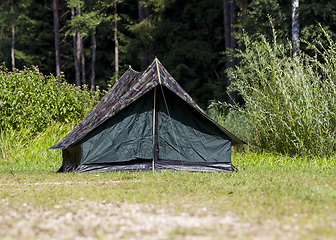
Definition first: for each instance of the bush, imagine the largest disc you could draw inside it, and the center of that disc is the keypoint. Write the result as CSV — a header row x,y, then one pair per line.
x,y
31,100
289,103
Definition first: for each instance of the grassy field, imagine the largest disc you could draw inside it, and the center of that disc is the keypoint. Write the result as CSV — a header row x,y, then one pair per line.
x,y
270,197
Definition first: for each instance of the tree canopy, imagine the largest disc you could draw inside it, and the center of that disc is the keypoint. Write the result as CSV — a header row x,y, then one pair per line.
x,y
187,36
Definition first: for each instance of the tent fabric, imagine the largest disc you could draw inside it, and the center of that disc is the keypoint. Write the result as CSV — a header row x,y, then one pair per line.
x,y
130,87
126,136
186,135
146,165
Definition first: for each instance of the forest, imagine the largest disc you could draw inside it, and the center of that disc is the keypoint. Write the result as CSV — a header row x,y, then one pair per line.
x,y
265,69
94,42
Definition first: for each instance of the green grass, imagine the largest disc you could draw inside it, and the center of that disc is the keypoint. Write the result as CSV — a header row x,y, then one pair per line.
x,y
22,152
267,188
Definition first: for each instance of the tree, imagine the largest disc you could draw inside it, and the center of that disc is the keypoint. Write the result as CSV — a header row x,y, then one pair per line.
x,y
227,31
93,61
187,37
114,26
230,20
143,15
86,20
295,28
13,42
254,19
75,51
57,39
9,14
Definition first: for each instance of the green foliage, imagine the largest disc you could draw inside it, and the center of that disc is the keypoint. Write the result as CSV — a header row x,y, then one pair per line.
x,y
254,20
312,12
232,120
290,103
21,151
31,100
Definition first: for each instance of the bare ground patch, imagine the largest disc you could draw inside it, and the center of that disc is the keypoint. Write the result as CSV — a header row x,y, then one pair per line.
x,y
82,219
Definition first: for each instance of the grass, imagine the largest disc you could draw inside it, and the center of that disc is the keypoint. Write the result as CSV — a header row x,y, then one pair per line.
x,y
22,152
266,188
272,193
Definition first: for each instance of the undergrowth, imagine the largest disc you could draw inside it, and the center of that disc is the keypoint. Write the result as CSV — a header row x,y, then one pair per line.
x,y
290,104
33,101
23,152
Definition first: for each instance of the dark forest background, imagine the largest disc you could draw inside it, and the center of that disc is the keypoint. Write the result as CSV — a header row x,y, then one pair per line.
x,y
94,42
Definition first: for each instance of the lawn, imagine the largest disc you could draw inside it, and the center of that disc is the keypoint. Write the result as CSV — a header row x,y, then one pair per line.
x,y
270,197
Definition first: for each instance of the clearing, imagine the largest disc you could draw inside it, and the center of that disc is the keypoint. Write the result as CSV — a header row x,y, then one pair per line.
x,y
258,202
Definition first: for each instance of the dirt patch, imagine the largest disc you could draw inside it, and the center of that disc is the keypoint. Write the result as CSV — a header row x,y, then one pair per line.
x,y
82,219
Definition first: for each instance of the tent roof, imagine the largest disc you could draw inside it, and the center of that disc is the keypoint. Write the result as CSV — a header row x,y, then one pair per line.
x,y
131,86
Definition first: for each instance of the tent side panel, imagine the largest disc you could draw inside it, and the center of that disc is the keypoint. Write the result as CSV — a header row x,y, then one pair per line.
x,y
71,157
186,135
126,136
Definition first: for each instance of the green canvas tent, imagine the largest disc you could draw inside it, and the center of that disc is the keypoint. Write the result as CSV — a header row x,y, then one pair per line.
x,y
146,122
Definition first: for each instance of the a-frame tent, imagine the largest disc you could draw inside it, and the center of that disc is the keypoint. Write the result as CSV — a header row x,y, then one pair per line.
x,y
147,122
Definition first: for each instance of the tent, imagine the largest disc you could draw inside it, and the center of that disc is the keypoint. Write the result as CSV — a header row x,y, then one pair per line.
x,y
147,122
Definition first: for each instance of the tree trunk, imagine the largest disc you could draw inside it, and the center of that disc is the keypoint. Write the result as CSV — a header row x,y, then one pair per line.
x,y
116,43
83,61
230,42
243,7
93,74
233,21
78,54
57,39
13,45
232,96
76,59
295,28
78,47
227,31
142,16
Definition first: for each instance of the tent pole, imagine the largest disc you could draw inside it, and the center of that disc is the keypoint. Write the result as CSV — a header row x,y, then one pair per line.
x,y
155,121
154,128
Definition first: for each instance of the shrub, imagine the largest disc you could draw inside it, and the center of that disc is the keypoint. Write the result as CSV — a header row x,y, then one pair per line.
x,y
31,100
289,103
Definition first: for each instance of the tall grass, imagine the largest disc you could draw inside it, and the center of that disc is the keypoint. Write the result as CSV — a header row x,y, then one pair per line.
x,y
289,103
231,119
23,152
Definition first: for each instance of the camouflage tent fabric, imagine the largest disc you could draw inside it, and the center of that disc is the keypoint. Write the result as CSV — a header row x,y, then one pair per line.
x,y
130,87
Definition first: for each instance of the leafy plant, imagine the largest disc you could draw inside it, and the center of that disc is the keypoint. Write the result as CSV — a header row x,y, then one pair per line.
x,y
31,100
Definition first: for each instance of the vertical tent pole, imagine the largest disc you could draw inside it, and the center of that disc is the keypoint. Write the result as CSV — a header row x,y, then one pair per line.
x,y
155,121
154,126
